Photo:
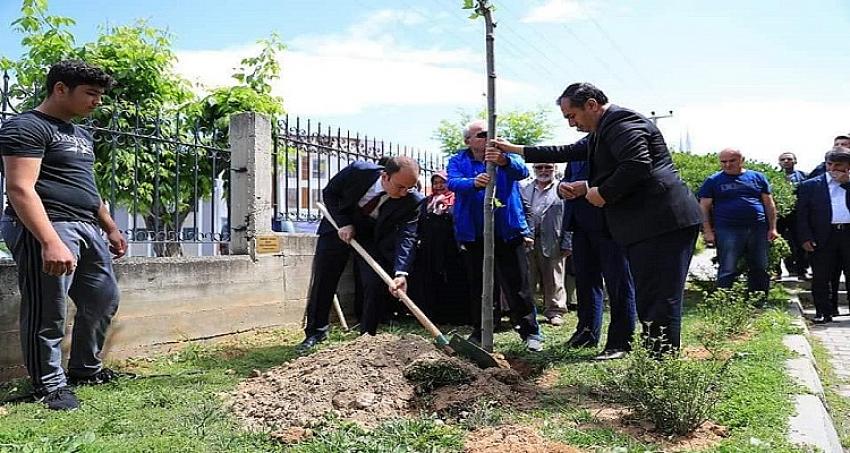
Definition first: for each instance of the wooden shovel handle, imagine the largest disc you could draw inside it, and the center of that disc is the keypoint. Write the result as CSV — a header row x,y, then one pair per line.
x,y
426,323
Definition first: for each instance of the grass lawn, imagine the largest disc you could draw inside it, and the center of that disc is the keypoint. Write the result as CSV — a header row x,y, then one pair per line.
x,y
181,410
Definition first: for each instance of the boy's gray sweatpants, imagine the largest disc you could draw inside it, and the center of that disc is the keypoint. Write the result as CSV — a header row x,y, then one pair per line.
x,y
92,287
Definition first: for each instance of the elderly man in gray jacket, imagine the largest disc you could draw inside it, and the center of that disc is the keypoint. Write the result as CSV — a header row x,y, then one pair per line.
x,y
544,220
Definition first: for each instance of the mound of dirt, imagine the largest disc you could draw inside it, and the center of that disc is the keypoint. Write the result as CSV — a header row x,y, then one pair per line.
x,y
370,380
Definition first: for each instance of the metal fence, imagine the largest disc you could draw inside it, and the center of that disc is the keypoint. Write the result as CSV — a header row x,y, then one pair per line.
x,y
307,155
165,179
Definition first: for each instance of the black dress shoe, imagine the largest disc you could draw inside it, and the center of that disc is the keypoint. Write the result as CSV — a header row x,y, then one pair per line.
x,y
820,319
311,341
611,354
582,340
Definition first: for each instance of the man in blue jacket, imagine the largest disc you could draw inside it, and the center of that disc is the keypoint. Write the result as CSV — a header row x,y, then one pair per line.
x,y
823,225
467,179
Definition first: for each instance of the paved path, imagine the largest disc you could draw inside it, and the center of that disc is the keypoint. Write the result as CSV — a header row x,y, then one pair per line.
x,y
835,337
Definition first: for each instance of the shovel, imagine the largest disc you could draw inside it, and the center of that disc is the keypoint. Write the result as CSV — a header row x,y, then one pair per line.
x,y
457,343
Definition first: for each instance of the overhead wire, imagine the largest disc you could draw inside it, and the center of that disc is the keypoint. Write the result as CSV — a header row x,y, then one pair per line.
x,y
511,47
593,54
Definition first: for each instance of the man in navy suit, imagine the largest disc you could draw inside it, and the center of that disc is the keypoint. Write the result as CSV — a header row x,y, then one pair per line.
x,y
375,205
823,225
597,257
649,210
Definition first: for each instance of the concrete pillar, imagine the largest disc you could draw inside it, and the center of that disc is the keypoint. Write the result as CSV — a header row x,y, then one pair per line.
x,y
250,181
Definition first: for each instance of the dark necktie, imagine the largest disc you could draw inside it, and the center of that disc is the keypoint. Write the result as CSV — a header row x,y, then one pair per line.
x,y
370,205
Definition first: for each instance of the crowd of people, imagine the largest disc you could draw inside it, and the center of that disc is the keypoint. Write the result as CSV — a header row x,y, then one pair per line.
x,y
620,220
617,219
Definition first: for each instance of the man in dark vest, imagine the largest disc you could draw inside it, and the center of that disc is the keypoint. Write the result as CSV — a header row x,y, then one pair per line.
x,y
648,208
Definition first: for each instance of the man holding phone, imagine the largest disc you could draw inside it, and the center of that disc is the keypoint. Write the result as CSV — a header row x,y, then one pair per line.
x,y
823,224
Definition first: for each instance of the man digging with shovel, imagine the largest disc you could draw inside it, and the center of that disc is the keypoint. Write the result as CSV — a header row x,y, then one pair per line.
x,y
373,203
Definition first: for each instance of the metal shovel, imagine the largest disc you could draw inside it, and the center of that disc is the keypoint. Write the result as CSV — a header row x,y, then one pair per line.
x,y
457,343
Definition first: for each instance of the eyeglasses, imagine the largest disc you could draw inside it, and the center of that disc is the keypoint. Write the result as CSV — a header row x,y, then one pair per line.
x,y
482,134
544,167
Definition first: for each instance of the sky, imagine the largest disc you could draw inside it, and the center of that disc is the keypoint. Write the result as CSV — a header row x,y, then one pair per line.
x,y
763,76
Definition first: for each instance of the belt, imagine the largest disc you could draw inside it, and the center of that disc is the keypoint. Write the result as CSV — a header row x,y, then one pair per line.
x,y
841,226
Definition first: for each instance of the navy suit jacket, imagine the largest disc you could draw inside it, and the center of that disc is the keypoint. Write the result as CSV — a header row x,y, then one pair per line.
x,y
392,235
578,213
814,210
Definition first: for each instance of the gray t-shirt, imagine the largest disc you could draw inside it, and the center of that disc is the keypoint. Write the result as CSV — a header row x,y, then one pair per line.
x,y
66,181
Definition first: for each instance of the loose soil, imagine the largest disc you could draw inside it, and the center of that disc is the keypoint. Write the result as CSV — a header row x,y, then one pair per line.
x,y
375,379
365,381
513,439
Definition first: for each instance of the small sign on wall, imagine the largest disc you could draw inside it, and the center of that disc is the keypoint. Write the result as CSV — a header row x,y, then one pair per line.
x,y
268,244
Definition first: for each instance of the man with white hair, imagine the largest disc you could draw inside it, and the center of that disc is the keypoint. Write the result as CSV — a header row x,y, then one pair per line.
x,y
739,216
467,179
547,260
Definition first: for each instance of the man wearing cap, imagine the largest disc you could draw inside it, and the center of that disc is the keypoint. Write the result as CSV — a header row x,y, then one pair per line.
x,y
547,260
823,225
840,141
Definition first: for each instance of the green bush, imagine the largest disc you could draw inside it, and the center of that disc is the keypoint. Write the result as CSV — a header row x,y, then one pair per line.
x,y
777,251
677,394
724,313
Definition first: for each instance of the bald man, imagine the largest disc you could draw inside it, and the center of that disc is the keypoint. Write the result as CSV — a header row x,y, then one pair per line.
x,y
739,217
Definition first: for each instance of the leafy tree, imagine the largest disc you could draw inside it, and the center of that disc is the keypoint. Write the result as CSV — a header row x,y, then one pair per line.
x,y
520,127
141,163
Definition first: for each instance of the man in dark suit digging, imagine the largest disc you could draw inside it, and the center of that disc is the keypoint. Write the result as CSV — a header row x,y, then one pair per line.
x,y
374,204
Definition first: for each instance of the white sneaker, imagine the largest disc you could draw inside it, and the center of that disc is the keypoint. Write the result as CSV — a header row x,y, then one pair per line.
x,y
533,344
556,321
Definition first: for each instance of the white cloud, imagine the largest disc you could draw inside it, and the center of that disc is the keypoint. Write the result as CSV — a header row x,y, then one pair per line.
x,y
361,69
557,11
761,129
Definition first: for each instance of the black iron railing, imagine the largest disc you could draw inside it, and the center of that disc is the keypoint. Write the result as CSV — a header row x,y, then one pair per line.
x,y
307,155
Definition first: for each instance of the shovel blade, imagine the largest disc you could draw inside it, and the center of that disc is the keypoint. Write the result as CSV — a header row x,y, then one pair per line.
x,y
473,352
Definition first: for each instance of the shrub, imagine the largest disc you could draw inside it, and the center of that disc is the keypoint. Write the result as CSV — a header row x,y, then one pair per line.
x,y
723,313
677,394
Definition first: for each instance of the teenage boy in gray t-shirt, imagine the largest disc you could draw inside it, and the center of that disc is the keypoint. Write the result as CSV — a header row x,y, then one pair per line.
x,y
53,227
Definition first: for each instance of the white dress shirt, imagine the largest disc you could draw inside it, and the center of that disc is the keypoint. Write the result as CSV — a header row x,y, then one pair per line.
x,y
837,194
373,192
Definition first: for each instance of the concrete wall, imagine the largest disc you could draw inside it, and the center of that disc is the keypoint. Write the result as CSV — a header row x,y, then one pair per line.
x,y
166,300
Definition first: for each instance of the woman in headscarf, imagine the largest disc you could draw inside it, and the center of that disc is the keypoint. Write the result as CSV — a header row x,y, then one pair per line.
x,y
439,271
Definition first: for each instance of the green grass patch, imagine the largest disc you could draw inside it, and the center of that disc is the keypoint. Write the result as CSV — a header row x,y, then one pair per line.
x,y
183,410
